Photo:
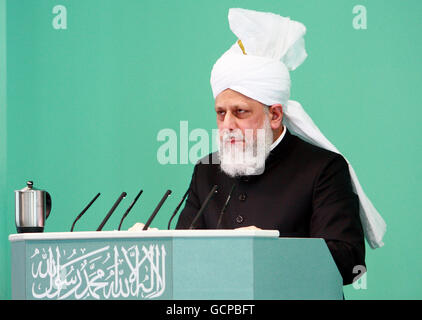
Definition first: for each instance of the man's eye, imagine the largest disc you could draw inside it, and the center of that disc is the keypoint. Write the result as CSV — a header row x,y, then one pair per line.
x,y
241,111
221,113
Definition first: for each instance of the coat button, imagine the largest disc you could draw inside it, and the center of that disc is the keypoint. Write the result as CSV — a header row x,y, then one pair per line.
x,y
239,219
242,197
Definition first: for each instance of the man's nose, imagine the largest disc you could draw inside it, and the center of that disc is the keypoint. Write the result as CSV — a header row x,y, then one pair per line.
x,y
229,122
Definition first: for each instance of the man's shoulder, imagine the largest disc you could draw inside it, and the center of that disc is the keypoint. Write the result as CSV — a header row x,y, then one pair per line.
x,y
209,164
211,158
314,154
208,169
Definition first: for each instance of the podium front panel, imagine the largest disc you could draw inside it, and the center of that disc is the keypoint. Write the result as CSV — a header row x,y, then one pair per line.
x,y
176,264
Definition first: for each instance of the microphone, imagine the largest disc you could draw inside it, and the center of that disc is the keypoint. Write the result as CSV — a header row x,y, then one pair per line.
x,y
130,208
84,210
112,210
177,208
225,206
168,192
204,205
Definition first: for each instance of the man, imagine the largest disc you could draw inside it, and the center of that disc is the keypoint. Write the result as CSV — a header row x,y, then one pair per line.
x,y
278,180
304,191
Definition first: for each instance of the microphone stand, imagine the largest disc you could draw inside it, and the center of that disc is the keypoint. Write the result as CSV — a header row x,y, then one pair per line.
x,y
84,210
204,205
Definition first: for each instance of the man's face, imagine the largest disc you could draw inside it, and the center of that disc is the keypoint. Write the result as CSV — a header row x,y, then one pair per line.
x,y
245,133
235,111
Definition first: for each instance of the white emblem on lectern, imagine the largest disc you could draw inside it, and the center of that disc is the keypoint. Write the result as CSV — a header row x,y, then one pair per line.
x,y
104,273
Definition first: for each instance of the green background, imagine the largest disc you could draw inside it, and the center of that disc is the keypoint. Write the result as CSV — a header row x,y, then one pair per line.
x,y
80,109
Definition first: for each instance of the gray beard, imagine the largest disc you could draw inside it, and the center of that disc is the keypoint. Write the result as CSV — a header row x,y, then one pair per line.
x,y
237,160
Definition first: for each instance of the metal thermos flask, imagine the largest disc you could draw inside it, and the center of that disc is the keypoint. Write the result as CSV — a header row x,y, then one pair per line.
x,y
32,208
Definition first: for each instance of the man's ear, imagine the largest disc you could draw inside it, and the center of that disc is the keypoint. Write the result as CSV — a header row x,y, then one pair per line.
x,y
276,116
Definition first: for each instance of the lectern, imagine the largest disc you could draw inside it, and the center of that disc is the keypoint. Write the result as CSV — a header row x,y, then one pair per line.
x,y
175,264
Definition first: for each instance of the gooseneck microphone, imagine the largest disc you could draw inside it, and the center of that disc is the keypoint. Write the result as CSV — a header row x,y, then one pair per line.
x,y
84,210
111,210
204,205
225,206
168,192
177,208
130,208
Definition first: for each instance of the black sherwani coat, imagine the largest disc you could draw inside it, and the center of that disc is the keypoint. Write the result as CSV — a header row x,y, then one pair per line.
x,y
305,191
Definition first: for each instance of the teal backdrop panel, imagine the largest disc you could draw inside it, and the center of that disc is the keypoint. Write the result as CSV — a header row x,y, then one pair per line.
x,y
4,221
81,108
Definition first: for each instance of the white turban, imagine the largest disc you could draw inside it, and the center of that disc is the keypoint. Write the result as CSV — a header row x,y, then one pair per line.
x,y
258,66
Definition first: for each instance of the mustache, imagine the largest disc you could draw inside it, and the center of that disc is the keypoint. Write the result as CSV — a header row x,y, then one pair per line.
x,y
236,134
249,136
